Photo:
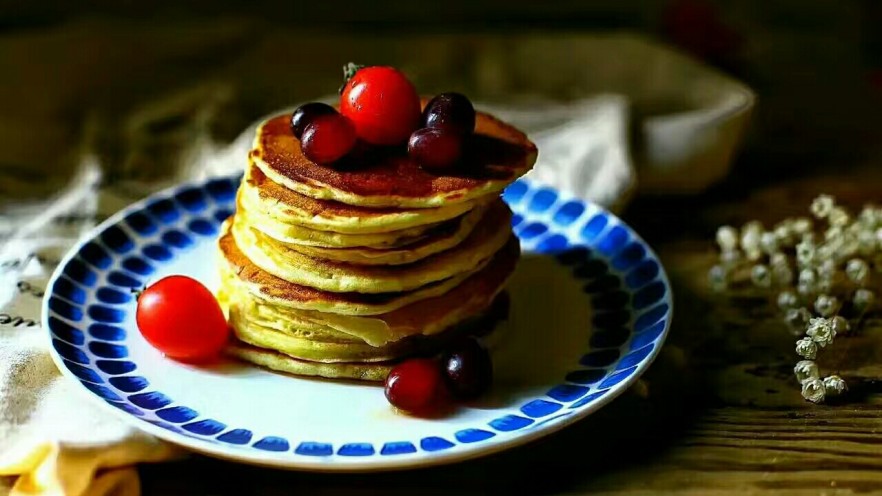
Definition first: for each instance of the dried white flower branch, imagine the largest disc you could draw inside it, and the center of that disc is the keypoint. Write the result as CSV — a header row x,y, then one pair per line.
x,y
819,268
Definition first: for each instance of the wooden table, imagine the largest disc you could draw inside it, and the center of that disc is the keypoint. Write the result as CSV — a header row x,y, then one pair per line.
x,y
719,411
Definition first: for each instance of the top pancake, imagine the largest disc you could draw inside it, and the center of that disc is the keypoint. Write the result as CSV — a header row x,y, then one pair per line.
x,y
497,154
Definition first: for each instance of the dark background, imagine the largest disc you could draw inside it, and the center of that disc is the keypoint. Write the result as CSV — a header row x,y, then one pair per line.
x,y
815,65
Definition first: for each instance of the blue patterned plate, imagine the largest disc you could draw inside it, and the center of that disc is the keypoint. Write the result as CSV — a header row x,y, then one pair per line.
x,y
591,306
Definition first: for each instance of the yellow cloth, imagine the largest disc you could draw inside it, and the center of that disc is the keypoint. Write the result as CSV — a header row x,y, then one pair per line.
x,y
54,440
54,468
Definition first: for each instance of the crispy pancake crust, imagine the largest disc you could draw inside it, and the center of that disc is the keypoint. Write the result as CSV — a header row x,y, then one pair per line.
x,y
302,235
484,328
491,234
496,155
428,316
442,237
268,198
374,372
283,293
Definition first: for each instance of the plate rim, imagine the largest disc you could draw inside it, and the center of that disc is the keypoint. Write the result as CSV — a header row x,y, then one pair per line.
x,y
552,424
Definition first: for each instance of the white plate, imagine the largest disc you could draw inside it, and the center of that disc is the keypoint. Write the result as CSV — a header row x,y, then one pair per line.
x,y
591,306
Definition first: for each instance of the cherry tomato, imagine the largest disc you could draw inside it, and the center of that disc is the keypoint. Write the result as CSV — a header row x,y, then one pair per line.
x,y
182,319
383,105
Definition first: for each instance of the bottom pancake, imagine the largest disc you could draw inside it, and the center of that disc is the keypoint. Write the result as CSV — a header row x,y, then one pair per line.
x,y
320,346
485,328
437,239
375,372
316,347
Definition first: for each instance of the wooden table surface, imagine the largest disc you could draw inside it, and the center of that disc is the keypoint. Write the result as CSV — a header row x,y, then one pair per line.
x,y
719,412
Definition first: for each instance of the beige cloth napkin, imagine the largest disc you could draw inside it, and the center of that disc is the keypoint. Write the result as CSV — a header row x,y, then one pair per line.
x,y
53,440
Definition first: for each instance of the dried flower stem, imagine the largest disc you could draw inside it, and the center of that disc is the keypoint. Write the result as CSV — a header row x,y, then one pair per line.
x,y
815,269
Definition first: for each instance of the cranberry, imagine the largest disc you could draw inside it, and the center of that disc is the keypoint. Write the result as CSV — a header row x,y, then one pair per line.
x,y
327,138
451,111
468,370
435,148
306,113
383,105
414,385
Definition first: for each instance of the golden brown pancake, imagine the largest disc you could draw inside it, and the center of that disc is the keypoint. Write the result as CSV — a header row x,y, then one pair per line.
x,y
315,348
428,316
496,155
441,237
343,270
302,235
484,327
266,198
491,234
375,372
235,264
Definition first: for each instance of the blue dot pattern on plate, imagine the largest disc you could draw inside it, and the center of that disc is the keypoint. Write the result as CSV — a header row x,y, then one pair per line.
x,y
91,295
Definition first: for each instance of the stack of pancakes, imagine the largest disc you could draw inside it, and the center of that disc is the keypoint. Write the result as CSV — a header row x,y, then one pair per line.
x,y
342,271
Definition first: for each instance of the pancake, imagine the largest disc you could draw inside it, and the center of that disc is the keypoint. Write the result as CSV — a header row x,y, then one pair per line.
x,y
235,265
333,351
483,327
427,317
314,348
491,234
375,372
496,155
297,234
265,198
443,237
343,270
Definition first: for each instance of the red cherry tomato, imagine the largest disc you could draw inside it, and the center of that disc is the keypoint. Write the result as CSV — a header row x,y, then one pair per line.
x,y
383,105
181,318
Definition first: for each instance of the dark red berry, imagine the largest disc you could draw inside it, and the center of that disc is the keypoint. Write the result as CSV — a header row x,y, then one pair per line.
x,y
468,370
305,115
435,148
414,385
327,138
383,105
451,111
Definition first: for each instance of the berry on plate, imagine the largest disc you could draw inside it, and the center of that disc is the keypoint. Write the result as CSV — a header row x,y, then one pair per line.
x,y
468,370
181,318
414,385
